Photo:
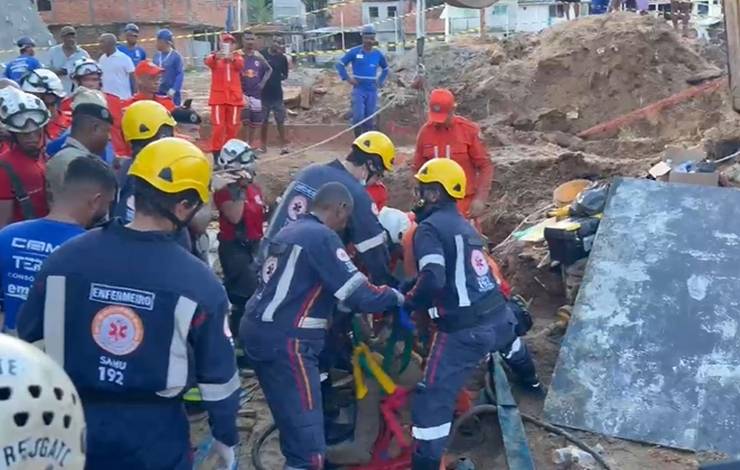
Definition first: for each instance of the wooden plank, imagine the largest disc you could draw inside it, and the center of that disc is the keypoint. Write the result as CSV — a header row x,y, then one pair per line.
x,y
732,27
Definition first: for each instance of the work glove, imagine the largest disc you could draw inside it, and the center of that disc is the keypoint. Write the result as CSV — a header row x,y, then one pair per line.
x,y
226,455
404,319
171,92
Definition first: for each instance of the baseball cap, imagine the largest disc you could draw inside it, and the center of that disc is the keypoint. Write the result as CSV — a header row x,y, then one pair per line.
x,y
147,67
25,42
368,30
165,35
68,31
441,103
131,28
226,37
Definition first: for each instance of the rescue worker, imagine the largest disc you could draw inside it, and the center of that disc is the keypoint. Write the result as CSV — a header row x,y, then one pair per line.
x,y
241,217
146,329
143,122
255,74
5,138
148,77
372,154
46,85
226,98
41,440
89,189
456,286
447,135
168,59
365,60
306,273
19,67
87,73
88,138
22,185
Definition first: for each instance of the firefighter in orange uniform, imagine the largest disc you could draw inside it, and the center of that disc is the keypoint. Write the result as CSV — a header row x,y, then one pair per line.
x,y
226,98
447,135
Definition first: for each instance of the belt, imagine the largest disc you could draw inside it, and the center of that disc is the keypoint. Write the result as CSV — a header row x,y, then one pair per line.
x,y
482,313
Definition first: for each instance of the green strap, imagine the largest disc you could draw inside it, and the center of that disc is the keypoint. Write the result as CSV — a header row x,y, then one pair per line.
x,y
21,196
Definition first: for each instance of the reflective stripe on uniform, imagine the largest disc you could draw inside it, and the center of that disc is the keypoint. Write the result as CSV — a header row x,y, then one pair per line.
x,y
431,434
370,243
433,313
216,115
461,282
515,347
350,286
177,369
283,286
54,317
310,323
218,392
431,259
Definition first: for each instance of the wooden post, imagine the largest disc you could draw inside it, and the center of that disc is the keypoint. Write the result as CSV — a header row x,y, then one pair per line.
x,y
732,27
483,23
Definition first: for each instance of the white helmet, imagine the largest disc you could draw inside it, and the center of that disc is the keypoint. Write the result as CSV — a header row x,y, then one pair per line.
x,y
237,155
43,81
22,112
43,425
84,67
395,222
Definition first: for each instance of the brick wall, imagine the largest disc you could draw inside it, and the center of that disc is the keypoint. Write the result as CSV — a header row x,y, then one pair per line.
x,y
96,12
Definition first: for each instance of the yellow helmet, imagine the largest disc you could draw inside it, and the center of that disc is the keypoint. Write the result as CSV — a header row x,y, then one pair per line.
x,y
142,120
173,165
446,172
377,143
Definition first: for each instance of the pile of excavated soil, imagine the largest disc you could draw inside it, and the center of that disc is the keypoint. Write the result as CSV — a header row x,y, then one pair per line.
x,y
577,74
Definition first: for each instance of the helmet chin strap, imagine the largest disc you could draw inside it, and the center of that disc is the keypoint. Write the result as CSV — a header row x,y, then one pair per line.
x,y
179,224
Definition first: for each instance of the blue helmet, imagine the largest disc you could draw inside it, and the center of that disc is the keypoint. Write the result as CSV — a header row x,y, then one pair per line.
x,y
165,35
368,30
25,42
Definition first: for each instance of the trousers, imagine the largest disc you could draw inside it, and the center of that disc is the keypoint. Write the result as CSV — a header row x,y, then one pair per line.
x,y
452,360
364,104
288,373
226,123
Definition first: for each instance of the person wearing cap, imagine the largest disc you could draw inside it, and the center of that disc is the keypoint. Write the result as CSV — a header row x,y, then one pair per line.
x,y
22,185
255,74
131,49
46,85
146,320
147,85
88,138
225,99
17,68
118,69
365,60
447,135
173,65
62,57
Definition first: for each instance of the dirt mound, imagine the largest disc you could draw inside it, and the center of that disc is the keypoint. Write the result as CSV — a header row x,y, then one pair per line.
x,y
570,77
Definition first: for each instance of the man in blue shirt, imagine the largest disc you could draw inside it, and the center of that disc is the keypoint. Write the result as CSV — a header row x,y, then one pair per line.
x,y
365,62
136,53
25,62
171,61
89,187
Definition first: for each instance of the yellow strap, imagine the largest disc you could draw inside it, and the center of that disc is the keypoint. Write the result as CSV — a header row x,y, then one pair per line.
x,y
386,383
360,387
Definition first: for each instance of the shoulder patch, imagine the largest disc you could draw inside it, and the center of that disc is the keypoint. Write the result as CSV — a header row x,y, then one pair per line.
x,y
479,262
269,268
342,255
297,206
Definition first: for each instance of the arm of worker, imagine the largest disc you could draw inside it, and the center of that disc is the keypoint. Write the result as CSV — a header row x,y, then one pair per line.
x,y
383,70
230,203
419,158
481,162
431,267
368,237
341,66
285,67
215,367
210,60
349,286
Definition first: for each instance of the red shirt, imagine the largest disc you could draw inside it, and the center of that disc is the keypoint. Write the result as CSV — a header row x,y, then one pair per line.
x,y
165,101
253,216
461,142
59,123
378,194
31,173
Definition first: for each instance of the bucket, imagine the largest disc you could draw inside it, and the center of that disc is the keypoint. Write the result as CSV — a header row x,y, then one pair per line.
x,y
567,192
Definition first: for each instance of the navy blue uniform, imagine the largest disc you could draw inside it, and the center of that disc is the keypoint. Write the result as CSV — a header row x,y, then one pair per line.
x,y
456,286
363,230
305,274
135,321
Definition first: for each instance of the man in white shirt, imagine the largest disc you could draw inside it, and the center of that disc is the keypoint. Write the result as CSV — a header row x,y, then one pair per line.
x,y
117,67
63,56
